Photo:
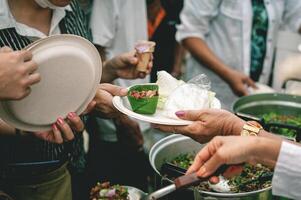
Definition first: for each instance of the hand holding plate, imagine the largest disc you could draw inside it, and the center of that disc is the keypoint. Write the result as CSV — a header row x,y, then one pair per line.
x,y
103,98
17,73
206,124
63,130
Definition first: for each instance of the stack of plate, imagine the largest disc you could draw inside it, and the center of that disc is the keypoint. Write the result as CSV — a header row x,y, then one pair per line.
x,y
70,68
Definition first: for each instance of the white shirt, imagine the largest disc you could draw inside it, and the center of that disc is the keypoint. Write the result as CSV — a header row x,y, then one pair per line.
x,y
287,174
226,25
117,25
8,21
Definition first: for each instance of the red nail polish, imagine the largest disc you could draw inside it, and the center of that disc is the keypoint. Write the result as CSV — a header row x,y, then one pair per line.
x,y
54,127
71,114
180,113
60,121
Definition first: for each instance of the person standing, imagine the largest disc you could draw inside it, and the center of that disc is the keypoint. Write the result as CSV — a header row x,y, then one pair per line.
x,y
116,27
233,42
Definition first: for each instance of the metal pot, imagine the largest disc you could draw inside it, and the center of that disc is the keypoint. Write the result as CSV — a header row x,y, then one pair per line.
x,y
259,104
172,146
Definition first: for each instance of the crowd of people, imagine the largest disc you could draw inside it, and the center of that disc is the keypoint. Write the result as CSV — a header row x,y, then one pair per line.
x,y
231,41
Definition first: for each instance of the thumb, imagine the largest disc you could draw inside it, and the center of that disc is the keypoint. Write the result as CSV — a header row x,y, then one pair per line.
x,y
113,89
210,166
130,58
251,83
191,115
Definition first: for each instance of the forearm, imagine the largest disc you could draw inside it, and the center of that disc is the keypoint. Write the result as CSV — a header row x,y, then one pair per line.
x,y
266,150
200,50
179,56
108,73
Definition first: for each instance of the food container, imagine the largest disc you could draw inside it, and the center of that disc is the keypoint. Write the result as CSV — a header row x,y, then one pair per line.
x,y
144,50
282,104
173,145
143,98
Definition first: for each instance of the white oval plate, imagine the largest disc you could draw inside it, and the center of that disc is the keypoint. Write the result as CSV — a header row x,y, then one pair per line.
x,y
70,68
122,104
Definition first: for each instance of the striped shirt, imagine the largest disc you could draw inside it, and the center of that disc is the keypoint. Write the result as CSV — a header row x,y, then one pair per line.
x,y
30,149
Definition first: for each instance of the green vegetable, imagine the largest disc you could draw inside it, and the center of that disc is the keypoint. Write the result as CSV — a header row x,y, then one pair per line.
x,y
248,180
273,117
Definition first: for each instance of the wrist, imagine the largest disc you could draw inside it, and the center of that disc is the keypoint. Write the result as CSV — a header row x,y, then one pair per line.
x,y
109,73
237,126
266,150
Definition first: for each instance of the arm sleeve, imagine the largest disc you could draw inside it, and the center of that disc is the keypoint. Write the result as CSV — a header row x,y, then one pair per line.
x,y
103,22
195,18
292,15
287,175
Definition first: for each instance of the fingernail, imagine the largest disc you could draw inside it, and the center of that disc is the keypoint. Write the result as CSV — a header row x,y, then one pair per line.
x,y
124,91
54,127
202,171
71,115
60,121
180,113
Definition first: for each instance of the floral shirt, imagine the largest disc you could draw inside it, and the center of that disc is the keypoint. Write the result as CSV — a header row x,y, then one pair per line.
x,y
258,38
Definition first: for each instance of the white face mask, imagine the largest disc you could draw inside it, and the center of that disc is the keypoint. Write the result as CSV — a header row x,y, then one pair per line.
x,y
46,4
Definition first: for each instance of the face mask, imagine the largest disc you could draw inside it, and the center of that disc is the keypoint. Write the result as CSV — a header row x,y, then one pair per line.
x,y
46,4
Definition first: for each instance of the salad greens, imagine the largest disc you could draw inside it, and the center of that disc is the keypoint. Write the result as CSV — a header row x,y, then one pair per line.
x,y
273,117
252,177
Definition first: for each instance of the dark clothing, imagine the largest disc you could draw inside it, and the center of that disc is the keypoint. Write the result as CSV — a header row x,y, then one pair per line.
x,y
164,36
30,149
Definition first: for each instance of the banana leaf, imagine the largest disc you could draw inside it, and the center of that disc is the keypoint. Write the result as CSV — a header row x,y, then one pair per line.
x,y
144,105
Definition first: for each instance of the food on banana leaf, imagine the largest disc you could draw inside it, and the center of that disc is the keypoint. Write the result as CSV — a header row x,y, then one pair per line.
x,y
143,98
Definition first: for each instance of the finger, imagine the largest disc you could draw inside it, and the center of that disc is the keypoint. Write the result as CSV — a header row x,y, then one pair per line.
x,y
26,92
200,159
33,79
251,83
142,74
214,179
75,122
57,134
31,66
27,55
191,115
210,166
65,129
233,170
169,129
113,89
5,49
90,107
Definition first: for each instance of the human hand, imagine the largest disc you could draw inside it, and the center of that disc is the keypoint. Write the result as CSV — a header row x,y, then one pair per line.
x,y
233,150
17,73
124,66
103,98
128,132
62,130
206,124
239,82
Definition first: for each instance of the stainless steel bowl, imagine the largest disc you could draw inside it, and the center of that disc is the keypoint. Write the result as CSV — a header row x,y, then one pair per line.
x,y
173,145
260,104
